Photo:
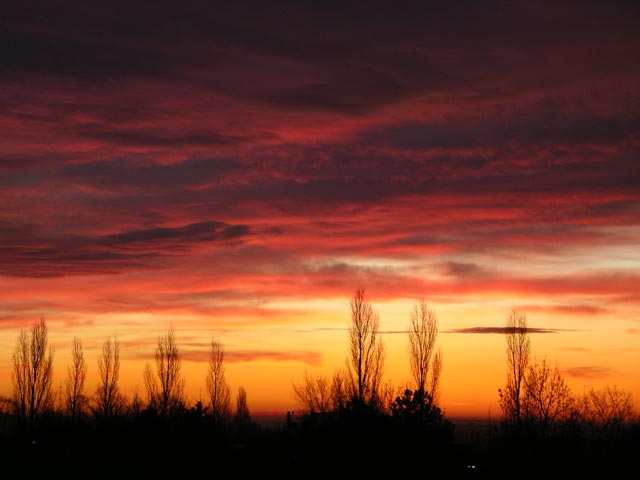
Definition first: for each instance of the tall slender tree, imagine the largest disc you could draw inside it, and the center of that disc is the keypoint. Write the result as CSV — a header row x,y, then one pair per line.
x,y
76,375
367,354
518,357
217,386
242,416
33,372
108,399
165,389
426,363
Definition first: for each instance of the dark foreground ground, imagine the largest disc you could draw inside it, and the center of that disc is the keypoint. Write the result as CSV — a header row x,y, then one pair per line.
x,y
269,448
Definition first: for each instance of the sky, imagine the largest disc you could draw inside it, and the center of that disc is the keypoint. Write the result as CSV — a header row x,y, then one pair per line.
x,y
236,170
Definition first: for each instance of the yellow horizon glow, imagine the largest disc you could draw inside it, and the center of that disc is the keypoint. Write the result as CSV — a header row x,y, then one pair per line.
x,y
474,365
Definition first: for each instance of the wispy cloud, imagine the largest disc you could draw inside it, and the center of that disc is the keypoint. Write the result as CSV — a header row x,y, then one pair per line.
x,y
499,330
39,256
589,372
240,356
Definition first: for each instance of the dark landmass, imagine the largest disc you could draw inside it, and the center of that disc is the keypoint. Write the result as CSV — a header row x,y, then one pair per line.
x,y
290,447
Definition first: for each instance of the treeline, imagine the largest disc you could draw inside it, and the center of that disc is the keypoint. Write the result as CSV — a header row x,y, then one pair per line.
x,y
351,419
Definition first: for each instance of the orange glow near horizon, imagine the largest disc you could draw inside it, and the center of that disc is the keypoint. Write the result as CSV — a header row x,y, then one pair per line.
x,y
267,353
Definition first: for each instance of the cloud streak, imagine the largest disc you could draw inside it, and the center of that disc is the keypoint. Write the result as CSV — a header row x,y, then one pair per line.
x,y
39,256
499,330
589,372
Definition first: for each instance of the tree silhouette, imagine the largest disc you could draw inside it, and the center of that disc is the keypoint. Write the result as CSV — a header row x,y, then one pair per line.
x,y
601,429
366,362
547,398
425,364
314,393
109,400
33,372
319,394
76,376
217,386
518,353
135,404
166,389
417,411
607,411
242,416
339,389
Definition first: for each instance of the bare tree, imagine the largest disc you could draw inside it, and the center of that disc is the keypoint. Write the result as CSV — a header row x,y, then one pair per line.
x,y
314,393
109,401
242,415
166,389
361,379
321,394
385,396
135,405
217,386
151,385
518,353
339,389
608,411
366,361
436,369
76,374
425,364
33,372
547,398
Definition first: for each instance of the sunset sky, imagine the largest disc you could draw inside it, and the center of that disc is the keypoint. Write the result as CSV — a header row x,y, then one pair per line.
x,y
237,170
